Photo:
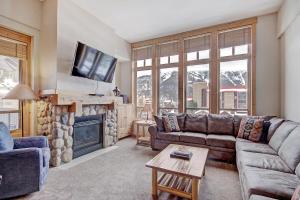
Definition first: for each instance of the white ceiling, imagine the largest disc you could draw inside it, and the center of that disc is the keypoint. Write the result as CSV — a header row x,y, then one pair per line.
x,y
136,20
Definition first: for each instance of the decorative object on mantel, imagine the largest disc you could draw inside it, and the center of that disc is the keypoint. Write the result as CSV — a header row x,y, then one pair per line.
x,y
21,92
116,91
148,109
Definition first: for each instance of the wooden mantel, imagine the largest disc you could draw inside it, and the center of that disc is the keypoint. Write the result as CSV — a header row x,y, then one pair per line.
x,y
75,101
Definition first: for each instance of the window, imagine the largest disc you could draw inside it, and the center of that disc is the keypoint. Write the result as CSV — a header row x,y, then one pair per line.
x,y
233,72
140,63
144,78
9,78
168,90
174,59
164,60
242,49
197,74
204,54
168,78
197,87
214,75
191,56
226,52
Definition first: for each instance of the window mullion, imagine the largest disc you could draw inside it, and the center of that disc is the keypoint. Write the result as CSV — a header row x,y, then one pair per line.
x,y
214,75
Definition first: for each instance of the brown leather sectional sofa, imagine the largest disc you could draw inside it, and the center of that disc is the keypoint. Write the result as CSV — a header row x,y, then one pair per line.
x,y
267,171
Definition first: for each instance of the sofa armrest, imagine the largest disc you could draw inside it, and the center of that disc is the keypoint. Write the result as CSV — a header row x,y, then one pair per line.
x,y
153,130
27,142
20,170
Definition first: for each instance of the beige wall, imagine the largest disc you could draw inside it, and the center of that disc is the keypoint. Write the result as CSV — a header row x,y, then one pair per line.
x,y
290,59
25,12
267,66
25,17
75,24
48,57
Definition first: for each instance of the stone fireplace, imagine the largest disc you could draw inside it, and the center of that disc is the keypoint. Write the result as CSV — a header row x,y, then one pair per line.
x,y
66,118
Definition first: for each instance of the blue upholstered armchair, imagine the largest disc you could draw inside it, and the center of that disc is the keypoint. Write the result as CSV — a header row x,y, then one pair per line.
x,y
24,163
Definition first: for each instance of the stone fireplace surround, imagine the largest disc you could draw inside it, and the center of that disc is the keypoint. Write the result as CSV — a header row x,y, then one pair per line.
x,y
56,115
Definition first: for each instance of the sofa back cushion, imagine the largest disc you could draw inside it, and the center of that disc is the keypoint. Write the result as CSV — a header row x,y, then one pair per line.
x,y
159,123
281,134
220,124
290,149
6,141
275,123
236,124
195,123
181,120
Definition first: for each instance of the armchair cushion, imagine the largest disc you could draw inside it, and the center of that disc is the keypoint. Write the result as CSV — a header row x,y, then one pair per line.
x,y
6,141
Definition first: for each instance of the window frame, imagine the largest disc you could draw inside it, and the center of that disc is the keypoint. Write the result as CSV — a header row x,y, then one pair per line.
x,y
21,40
213,62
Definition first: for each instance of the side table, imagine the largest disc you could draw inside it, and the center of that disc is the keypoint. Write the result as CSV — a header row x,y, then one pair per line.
x,y
141,132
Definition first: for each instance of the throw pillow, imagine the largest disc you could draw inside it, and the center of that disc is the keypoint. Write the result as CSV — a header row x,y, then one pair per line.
x,y
6,141
159,123
170,123
251,128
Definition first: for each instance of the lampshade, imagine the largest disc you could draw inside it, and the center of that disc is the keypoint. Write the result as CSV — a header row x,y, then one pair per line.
x,y
21,92
147,107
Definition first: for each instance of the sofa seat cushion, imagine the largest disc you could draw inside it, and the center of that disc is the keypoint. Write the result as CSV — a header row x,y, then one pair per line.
x,y
258,197
269,183
281,134
225,141
290,149
172,136
189,137
220,124
246,145
265,161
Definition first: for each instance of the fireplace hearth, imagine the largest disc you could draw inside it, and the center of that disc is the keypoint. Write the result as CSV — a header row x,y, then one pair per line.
x,y
88,134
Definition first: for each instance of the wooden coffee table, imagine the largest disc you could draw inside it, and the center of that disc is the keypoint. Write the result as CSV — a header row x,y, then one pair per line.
x,y
177,176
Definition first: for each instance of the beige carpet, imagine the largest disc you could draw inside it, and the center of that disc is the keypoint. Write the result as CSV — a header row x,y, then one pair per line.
x,y
121,174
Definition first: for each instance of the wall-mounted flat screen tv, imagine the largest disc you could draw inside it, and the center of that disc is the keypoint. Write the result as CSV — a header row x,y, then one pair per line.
x,y
93,64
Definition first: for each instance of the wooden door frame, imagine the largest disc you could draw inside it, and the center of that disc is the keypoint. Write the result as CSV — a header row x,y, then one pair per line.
x,y
25,108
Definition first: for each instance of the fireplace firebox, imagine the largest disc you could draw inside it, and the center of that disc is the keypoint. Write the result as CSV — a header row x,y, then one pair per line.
x,y
88,134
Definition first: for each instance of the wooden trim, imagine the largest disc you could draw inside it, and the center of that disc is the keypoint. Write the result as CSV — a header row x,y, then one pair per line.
x,y
201,31
10,34
253,72
214,75
154,80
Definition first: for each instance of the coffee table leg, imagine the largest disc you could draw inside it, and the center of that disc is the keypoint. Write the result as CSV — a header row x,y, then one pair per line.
x,y
195,183
154,183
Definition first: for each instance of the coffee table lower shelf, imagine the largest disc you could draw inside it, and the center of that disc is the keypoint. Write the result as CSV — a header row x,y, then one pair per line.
x,y
178,185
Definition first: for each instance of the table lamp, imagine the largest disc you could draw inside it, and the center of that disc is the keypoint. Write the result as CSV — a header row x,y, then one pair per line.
x,y
147,108
21,92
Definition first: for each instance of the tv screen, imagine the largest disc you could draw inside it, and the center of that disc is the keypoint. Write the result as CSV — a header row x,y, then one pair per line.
x,y
93,64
